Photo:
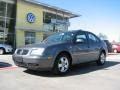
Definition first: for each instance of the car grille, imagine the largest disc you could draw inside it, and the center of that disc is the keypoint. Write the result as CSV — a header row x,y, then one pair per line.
x,y
22,51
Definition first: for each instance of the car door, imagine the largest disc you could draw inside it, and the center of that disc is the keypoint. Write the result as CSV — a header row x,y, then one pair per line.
x,y
80,47
94,47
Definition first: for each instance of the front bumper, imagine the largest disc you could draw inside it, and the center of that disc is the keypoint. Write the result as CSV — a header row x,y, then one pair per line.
x,y
34,62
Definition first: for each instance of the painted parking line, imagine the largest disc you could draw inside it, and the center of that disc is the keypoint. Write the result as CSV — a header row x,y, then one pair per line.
x,y
113,54
9,68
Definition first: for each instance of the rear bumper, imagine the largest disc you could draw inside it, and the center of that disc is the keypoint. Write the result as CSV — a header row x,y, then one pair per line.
x,y
34,62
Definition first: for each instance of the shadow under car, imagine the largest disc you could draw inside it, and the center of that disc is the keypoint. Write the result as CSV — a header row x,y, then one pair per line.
x,y
75,70
4,64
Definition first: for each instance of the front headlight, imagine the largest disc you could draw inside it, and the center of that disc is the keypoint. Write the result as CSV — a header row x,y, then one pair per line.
x,y
37,51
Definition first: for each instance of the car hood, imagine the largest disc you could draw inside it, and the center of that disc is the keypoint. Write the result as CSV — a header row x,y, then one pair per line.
x,y
42,45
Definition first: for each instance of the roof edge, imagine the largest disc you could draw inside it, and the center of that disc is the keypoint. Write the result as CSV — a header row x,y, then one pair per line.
x,y
72,15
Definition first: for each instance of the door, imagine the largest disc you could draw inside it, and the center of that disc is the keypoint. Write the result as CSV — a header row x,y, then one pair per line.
x,y
80,48
94,47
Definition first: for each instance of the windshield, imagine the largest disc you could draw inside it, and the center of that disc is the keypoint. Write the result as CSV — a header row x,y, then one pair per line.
x,y
59,37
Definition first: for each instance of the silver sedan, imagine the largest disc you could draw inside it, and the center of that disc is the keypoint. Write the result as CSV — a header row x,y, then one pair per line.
x,y
62,50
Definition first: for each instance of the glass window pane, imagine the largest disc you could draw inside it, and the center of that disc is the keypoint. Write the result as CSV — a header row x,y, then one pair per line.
x,y
2,8
2,24
11,10
1,37
82,37
29,38
92,38
7,29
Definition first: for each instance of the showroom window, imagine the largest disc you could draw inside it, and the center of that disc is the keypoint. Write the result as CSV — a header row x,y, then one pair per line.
x,y
54,22
2,8
30,38
7,21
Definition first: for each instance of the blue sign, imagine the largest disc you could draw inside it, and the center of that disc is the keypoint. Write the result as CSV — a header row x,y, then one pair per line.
x,y
31,18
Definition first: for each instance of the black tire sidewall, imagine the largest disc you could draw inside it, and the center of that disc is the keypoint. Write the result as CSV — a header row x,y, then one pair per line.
x,y
56,69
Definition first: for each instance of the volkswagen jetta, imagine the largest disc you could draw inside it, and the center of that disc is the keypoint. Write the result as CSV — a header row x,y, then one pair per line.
x,y
60,51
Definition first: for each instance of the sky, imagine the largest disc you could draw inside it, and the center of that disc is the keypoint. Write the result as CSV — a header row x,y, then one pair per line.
x,y
97,16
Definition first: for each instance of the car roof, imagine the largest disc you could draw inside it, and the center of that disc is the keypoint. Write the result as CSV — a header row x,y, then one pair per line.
x,y
75,31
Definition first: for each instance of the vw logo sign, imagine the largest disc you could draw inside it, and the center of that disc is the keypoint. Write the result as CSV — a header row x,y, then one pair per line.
x,y
31,18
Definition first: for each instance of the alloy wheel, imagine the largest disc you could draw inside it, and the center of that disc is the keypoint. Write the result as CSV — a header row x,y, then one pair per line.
x,y
63,64
102,58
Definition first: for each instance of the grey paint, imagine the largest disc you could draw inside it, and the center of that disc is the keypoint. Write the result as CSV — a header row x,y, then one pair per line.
x,y
80,52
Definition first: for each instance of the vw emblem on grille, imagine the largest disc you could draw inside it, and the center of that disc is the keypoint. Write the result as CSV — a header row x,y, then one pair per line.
x,y
31,18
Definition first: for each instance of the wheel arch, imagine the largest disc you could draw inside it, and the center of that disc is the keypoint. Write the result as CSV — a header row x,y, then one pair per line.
x,y
55,67
66,53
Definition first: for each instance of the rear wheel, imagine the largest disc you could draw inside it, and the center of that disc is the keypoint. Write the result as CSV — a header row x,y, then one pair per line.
x,y
62,64
2,51
102,59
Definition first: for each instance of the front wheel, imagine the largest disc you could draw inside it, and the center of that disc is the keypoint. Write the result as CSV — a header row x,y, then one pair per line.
x,y
62,64
102,59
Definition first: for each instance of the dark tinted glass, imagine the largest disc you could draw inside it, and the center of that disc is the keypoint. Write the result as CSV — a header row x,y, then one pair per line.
x,y
2,8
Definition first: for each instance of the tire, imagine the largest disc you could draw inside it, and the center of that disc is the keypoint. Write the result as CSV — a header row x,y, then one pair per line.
x,y
62,64
2,51
102,59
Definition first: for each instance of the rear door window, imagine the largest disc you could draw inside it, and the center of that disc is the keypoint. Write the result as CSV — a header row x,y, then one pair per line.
x,y
93,39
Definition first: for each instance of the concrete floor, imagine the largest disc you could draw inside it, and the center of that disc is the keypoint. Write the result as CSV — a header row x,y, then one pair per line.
x,y
81,77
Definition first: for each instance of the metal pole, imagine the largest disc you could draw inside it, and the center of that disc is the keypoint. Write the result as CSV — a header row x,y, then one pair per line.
x,y
15,36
